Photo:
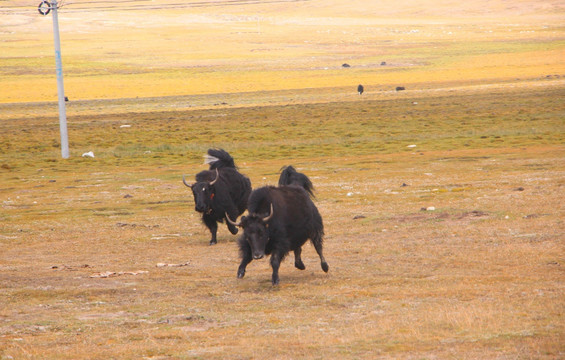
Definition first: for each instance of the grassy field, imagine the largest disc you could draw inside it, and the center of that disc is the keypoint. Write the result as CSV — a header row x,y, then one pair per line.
x,y
282,45
442,204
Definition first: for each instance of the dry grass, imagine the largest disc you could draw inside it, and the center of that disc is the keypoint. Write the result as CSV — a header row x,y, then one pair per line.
x,y
479,277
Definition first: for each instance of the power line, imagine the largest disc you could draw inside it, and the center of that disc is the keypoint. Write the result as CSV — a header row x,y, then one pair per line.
x,y
119,5
179,5
18,12
108,2
194,3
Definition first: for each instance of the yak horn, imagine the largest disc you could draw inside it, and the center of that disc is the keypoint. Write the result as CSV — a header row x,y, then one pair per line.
x,y
216,179
232,222
184,181
268,217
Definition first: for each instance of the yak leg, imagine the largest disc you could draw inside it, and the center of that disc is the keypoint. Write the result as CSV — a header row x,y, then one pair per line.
x,y
298,260
232,229
246,258
213,226
275,264
233,215
317,241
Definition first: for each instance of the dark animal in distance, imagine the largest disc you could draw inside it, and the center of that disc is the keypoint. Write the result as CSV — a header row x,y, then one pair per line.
x,y
281,219
400,88
289,176
219,191
360,89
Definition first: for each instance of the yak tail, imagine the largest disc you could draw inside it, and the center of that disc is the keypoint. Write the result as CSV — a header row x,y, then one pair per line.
x,y
289,176
219,158
286,175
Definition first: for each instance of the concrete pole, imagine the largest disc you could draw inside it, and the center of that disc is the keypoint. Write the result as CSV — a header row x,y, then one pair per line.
x,y
60,87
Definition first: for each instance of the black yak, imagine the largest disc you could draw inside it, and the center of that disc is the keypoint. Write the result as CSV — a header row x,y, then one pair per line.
x,y
360,89
280,220
219,191
289,176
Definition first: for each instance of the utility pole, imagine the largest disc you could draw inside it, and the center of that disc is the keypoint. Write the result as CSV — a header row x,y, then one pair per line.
x,y
44,9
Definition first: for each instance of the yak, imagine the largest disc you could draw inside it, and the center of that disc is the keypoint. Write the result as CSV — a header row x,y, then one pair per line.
x,y
289,176
360,89
219,191
281,219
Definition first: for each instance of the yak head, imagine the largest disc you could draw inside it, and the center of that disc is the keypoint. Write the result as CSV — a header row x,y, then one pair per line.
x,y
204,193
255,231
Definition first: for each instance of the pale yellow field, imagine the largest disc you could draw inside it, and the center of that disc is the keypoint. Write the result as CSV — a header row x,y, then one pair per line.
x,y
280,45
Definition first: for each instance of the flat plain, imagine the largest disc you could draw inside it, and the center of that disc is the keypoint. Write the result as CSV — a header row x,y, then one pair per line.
x,y
442,204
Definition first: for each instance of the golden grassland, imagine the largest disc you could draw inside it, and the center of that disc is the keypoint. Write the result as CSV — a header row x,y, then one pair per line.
x,y
280,46
478,277
481,276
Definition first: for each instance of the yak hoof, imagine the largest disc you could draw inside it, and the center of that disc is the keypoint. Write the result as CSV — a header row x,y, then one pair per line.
x,y
299,265
213,242
325,267
275,281
240,274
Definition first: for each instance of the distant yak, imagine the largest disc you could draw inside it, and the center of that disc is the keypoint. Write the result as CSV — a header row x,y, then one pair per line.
x,y
219,191
360,89
281,219
400,88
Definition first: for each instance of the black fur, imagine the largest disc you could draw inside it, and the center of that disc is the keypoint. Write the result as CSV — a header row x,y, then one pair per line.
x,y
289,176
228,194
295,219
224,160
